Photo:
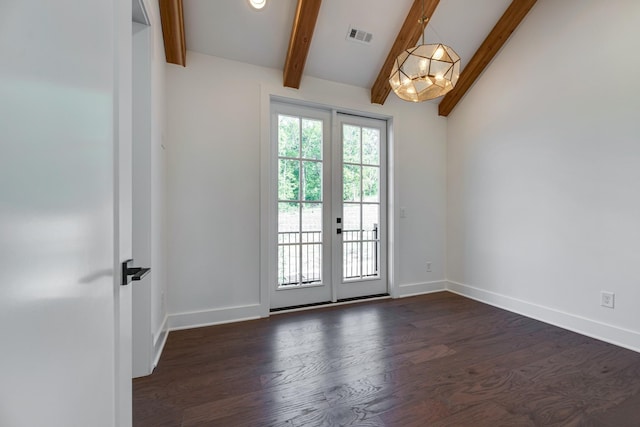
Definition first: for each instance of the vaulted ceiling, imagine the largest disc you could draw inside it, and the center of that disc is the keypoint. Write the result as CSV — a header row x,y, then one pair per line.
x,y
310,37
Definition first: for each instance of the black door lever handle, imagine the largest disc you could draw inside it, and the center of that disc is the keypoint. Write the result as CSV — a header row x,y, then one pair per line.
x,y
136,273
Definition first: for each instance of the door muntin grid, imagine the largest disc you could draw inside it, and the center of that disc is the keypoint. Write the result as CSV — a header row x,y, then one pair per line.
x,y
300,201
361,206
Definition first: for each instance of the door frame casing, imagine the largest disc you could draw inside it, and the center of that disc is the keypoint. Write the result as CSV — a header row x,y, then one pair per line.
x,y
268,186
143,355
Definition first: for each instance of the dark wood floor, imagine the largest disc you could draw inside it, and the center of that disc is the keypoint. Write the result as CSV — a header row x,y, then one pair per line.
x,y
436,360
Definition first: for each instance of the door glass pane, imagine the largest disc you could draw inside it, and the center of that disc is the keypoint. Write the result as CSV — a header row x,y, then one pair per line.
x,y
312,139
371,239
351,260
311,263
361,207
288,264
351,182
299,224
288,243
370,146
370,220
371,183
312,222
351,218
288,136
351,144
312,181
288,222
288,179
370,258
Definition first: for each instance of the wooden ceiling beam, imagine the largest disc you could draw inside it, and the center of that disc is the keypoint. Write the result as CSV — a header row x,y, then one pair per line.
x,y
172,17
304,24
500,33
408,36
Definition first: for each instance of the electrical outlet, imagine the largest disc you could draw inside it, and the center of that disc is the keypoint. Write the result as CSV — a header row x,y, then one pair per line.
x,y
607,299
428,266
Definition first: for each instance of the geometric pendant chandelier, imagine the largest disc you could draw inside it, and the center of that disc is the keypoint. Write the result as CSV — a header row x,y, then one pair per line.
x,y
426,71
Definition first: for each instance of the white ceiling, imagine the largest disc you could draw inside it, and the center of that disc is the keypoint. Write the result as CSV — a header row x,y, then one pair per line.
x,y
232,29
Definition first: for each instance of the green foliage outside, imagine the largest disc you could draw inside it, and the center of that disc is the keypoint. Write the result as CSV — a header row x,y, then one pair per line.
x,y
360,145
300,175
300,139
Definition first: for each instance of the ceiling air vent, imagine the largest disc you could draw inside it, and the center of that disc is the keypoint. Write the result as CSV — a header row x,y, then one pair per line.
x,y
359,36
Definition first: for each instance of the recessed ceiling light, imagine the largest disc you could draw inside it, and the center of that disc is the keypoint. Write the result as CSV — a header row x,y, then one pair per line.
x,y
257,4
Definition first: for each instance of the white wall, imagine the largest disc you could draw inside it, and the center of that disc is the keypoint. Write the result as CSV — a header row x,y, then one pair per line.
x,y
214,130
544,171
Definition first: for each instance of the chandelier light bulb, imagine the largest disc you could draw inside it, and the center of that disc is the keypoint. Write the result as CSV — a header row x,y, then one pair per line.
x,y
423,66
257,4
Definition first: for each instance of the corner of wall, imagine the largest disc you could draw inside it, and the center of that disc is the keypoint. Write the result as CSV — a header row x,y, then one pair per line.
x,y
159,341
413,289
217,316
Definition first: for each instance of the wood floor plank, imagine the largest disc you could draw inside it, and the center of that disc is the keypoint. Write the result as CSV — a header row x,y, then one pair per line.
x,y
418,413
624,414
437,359
485,415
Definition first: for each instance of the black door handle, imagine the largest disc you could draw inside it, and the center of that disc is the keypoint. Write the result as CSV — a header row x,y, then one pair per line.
x,y
136,273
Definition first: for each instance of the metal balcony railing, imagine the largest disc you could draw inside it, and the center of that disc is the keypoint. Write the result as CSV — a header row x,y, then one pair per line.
x,y
300,256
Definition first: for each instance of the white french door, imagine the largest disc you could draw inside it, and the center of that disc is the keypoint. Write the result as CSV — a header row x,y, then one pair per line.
x,y
301,138
329,196
360,206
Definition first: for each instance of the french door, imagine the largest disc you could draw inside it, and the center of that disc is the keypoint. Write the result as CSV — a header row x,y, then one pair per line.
x,y
330,193
360,201
301,140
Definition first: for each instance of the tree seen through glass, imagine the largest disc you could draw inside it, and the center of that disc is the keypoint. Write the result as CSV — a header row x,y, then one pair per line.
x,y
360,146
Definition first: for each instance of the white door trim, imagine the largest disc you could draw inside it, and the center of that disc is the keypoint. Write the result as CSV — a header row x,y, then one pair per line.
x,y
143,349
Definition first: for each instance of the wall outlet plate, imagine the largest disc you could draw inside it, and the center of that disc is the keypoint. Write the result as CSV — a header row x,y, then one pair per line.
x,y
607,299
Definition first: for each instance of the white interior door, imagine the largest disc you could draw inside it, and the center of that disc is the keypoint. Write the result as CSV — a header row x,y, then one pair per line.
x,y
330,196
60,297
360,203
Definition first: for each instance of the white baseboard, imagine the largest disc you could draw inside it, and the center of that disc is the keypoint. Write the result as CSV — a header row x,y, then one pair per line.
x,y
604,332
413,289
160,340
197,319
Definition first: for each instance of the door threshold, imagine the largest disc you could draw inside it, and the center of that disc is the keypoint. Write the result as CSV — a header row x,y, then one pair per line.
x,y
344,301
